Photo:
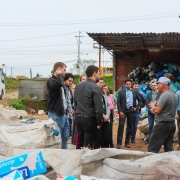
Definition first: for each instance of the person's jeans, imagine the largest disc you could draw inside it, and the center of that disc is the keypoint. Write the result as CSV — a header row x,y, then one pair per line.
x,y
151,124
178,125
136,119
63,124
163,134
70,124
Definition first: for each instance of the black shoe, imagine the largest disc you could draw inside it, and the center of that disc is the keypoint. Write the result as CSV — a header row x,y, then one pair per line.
x,y
133,141
127,145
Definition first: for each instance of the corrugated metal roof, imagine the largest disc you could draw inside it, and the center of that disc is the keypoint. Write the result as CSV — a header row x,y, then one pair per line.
x,y
137,41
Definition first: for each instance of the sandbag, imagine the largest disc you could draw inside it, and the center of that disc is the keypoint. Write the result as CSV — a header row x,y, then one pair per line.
x,y
11,114
26,136
111,163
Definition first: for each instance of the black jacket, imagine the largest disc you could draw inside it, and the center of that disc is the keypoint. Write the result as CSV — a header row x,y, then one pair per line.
x,y
87,100
143,103
121,101
54,95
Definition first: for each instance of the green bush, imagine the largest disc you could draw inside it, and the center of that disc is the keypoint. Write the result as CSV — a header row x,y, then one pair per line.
x,y
18,103
11,83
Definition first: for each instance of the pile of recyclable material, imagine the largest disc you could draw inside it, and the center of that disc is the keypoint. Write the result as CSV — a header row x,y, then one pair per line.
x,y
152,72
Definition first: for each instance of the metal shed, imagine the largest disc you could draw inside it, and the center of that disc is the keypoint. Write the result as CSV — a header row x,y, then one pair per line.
x,y
130,50
33,87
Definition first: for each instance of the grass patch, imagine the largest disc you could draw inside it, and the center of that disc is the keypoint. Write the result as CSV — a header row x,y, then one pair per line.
x,y
11,90
18,103
11,84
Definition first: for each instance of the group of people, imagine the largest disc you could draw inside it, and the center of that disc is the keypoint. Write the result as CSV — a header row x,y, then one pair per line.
x,y
83,111
89,107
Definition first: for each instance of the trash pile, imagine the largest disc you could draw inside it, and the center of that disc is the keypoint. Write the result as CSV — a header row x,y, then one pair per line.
x,y
144,75
100,164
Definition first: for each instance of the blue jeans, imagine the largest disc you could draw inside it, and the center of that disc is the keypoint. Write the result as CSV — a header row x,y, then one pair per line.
x,y
135,123
63,124
70,124
151,124
136,119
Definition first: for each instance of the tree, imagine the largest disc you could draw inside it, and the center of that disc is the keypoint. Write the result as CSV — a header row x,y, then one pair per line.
x,y
80,67
38,75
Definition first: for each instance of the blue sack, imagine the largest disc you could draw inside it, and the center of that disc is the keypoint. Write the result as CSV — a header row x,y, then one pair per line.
x,y
173,87
160,73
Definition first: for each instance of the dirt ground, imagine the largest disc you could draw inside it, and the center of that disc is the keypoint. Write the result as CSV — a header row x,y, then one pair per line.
x,y
138,146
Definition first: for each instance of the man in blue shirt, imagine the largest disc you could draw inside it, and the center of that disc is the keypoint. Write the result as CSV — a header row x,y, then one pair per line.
x,y
127,106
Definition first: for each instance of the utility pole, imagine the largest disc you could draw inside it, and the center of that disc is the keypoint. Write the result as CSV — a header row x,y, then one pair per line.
x,y
11,71
30,73
79,52
99,57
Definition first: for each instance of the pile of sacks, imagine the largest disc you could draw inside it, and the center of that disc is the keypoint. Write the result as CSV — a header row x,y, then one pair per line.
x,y
144,75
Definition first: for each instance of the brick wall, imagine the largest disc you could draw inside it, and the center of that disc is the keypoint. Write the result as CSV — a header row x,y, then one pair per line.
x,y
128,61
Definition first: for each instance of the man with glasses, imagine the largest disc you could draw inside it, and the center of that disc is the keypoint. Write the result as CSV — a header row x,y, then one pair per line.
x,y
152,96
68,80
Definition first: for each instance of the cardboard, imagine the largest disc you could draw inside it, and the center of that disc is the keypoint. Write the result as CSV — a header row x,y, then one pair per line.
x,y
29,165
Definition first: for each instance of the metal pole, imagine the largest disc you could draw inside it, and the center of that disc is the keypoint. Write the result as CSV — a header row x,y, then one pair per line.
x,y
30,73
114,70
11,71
79,53
99,56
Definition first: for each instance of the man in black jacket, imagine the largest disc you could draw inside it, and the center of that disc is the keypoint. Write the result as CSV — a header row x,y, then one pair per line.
x,y
127,107
89,108
57,105
152,96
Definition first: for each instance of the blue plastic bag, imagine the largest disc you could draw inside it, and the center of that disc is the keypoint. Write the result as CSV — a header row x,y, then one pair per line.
x,y
173,87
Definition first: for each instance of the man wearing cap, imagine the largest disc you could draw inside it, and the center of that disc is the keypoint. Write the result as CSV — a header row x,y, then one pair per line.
x,y
164,110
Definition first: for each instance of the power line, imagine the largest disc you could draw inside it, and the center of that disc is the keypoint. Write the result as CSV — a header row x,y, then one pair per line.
x,y
163,15
41,37
67,61
40,46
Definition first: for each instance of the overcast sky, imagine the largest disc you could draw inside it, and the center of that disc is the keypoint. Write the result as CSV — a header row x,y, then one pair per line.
x,y
37,33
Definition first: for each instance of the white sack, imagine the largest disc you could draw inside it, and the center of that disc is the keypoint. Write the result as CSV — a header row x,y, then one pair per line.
x,y
111,163
29,136
11,114
143,126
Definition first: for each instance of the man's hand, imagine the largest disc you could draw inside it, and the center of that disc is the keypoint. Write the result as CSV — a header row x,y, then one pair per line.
x,y
152,104
121,115
177,116
106,118
98,127
58,71
152,111
134,108
73,112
